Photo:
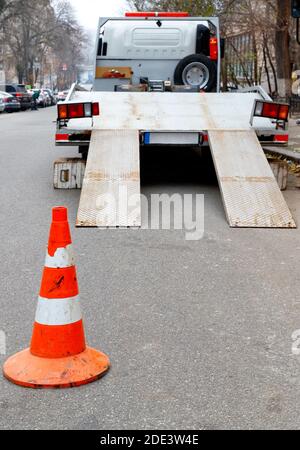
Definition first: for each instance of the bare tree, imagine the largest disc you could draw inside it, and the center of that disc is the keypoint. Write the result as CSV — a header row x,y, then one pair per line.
x,y
41,34
282,47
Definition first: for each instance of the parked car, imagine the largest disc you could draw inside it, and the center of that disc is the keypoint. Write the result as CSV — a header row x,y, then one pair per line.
x,y
62,95
11,104
51,95
2,106
41,100
48,100
19,92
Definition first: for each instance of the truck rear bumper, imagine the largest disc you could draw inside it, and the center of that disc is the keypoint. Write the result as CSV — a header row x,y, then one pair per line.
x,y
199,139
72,138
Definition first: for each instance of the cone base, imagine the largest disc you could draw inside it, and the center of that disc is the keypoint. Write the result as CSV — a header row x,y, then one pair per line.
x,y
25,369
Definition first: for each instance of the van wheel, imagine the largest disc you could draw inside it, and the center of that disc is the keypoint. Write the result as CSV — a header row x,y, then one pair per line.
x,y
196,71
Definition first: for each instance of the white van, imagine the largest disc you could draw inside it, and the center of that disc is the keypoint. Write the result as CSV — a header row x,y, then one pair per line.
x,y
159,50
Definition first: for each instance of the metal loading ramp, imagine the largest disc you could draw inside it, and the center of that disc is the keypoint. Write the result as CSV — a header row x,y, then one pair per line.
x,y
110,194
250,192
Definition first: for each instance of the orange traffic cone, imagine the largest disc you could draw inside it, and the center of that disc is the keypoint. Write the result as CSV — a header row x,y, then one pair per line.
x,y
58,356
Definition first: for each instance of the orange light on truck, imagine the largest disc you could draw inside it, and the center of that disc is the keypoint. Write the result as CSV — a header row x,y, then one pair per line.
x,y
284,112
62,111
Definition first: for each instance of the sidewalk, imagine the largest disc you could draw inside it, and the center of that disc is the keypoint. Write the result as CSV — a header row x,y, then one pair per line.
x,y
294,133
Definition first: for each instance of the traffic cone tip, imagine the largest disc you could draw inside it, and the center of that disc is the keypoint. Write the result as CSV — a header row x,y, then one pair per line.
x,y
59,214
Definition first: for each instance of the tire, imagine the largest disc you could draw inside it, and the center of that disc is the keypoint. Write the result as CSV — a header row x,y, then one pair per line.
x,y
205,76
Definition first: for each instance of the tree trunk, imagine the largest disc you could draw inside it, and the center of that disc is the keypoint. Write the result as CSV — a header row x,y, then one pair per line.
x,y
20,73
267,70
282,38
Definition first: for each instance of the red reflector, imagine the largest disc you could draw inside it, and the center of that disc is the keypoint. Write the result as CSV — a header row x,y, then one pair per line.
x,y
213,49
76,110
156,14
61,137
281,138
96,109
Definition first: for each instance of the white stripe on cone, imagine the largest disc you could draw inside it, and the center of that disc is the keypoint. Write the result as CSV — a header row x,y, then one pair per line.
x,y
60,311
63,257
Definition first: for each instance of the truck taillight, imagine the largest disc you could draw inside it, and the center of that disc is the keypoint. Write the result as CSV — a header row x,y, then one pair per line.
x,y
213,49
156,14
77,110
270,110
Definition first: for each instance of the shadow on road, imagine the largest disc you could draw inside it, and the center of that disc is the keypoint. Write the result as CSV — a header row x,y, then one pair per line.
x,y
183,165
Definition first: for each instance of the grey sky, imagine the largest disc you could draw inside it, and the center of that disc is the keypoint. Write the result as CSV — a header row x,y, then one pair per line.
x,y
88,11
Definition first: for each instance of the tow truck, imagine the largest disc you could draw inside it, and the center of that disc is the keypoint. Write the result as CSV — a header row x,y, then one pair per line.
x,y
157,82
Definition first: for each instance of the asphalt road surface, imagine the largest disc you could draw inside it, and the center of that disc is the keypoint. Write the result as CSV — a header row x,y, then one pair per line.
x,y
199,333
